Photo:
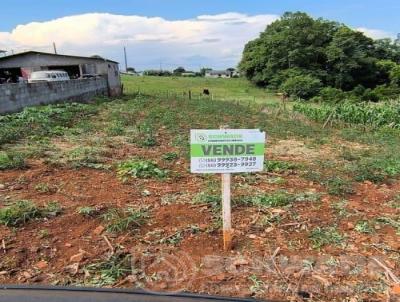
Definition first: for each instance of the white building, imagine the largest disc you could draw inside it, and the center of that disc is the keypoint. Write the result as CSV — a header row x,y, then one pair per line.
x,y
221,74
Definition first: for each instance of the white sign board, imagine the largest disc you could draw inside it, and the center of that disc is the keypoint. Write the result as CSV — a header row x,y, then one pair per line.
x,y
227,150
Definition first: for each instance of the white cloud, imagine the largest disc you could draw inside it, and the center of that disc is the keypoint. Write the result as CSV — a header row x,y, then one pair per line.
x,y
376,33
209,40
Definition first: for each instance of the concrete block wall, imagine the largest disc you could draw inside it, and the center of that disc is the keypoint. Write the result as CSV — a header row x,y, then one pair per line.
x,y
14,97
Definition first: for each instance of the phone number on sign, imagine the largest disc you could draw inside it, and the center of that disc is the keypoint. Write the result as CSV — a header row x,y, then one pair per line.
x,y
228,162
228,159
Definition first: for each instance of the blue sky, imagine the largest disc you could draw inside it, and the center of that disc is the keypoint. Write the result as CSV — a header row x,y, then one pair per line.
x,y
378,18
382,14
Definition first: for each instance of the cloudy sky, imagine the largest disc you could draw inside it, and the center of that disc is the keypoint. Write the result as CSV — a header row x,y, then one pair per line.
x,y
171,33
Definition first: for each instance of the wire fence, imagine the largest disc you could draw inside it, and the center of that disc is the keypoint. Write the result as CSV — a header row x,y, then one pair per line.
x,y
191,95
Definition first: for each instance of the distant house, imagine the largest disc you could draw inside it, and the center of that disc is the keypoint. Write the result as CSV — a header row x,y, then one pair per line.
x,y
188,74
221,74
23,64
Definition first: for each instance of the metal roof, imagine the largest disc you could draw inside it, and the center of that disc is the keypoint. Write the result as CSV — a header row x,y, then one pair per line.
x,y
52,54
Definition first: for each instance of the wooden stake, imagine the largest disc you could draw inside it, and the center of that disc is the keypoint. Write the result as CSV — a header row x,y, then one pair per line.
x,y
226,211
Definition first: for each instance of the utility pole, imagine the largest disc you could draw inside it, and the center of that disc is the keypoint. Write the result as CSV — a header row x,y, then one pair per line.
x,y
126,60
54,47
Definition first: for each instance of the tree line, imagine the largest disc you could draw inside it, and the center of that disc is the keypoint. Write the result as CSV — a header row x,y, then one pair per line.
x,y
305,57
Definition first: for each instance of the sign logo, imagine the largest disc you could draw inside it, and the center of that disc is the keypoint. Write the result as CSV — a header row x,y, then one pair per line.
x,y
201,137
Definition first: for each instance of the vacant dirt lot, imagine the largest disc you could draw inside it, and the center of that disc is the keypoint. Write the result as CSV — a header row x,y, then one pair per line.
x,y
109,201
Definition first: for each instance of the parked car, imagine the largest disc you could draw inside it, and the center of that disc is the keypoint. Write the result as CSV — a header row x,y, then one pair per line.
x,y
48,76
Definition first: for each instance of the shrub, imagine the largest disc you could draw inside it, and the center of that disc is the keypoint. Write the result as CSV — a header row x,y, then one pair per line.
x,y
358,91
370,96
303,87
140,169
332,95
387,92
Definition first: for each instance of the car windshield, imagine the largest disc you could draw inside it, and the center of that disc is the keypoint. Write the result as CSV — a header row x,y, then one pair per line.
x,y
40,75
248,149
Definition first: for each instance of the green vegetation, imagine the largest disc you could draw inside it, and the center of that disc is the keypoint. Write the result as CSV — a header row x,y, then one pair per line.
x,y
278,166
340,208
140,169
392,221
87,211
300,55
107,272
178,88
121,220
45,188
276,199
23,211
364,226
385,114
10,160
170,156
338,186
325,236
42,121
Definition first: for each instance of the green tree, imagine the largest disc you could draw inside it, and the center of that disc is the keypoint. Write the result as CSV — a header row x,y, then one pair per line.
x,y
394,75
179,71
297,45
295,41
387,49
351,61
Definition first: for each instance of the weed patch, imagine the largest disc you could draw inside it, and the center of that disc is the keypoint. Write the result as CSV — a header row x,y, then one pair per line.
x,y
338,186
340,208
11,161
393,222
107,272
364,226
325,236
23,211
277,199
170,156
87,211
140,169
42,121
121,220
279,166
